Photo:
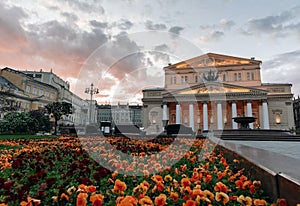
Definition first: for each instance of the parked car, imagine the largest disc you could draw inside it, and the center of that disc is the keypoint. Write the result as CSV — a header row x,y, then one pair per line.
x,y
179,130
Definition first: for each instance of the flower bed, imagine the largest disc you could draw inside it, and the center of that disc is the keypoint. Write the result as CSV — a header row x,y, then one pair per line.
x,y
62,172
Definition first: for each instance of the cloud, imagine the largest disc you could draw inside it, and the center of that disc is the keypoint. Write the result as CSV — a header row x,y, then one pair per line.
x,y
283,66
278,25
227,24
125,24
149,25
213,36
12,34
176,29
86,6
98,24
69,16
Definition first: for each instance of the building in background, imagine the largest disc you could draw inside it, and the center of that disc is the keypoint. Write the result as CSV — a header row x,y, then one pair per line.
x,y
24,92
207,91
122,114
32,90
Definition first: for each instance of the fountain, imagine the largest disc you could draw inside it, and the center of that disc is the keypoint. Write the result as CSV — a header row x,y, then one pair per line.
x,y
244,121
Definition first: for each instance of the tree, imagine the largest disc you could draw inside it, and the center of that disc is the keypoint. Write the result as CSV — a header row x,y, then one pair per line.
x,y
19,122
43,122
58,109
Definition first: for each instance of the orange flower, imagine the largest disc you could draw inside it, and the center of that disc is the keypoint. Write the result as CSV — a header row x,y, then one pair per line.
x,y
145,201
197,191
157,178
281,202
82,188
81,199
209,195
185,182
96,199
91,188
64,196
3,204
160,200
126,201
247,184
168,178
183,168
222,197
189,203
247,201
258,202
30,202
115,174
220,187
174,196
207,178
160,186
119,186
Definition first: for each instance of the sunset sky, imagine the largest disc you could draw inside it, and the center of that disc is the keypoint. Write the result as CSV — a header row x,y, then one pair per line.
x,y
115,43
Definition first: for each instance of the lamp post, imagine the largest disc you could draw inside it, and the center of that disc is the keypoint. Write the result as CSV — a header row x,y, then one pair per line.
x,y
91,91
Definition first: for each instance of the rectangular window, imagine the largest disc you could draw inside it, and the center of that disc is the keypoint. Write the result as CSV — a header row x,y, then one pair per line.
x,y
27,88
224,77
248,75
41,92
196,78
235,76
46,94
252,75
239,76
173,80
185,79
34,91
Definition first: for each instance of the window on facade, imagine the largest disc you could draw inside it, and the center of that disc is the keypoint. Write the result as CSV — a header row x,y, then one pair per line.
x,y
239,76
173,80
235,76
27,88
248,75
196,78
184,79
252,75
38,76
224,77
41,92
34,91
46,94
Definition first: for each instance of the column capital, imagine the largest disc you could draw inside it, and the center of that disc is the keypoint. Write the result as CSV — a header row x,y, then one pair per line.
x,y
204,102
264,101
249,100
233,101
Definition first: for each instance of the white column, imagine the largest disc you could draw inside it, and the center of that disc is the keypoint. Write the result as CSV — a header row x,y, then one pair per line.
x,y
249,112
205,116
265,115
219,116
191,113
234,114
178,114
165,112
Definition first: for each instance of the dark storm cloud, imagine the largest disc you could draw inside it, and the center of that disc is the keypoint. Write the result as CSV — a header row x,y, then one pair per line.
x,y
12,34
176,29
125,24
278,25
151,26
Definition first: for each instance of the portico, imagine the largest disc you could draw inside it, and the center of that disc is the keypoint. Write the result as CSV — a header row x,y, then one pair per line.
x,y
212,105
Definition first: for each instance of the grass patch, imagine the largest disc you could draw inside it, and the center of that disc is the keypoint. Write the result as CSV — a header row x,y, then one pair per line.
x,y
25,136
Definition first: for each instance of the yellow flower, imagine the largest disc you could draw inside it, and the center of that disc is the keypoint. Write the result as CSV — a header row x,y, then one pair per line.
x,y
168,178
222,197
259,202
146,201
247,201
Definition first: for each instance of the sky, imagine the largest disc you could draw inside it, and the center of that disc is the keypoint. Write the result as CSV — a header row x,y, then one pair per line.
x,y
121,46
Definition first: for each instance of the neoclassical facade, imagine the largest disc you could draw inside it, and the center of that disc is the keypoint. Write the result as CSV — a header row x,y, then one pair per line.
x,y
207,91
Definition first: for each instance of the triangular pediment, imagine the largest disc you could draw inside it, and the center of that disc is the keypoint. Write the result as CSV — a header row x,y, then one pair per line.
x,y
213,60
216,88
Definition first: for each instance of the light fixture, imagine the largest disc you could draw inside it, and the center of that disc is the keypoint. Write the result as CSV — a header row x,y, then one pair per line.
x,y
278,119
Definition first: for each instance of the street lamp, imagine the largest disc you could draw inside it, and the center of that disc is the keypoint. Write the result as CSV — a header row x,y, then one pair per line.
x,y
91,91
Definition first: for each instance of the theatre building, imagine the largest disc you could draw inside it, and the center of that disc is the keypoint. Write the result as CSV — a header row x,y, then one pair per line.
x,y
207,91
